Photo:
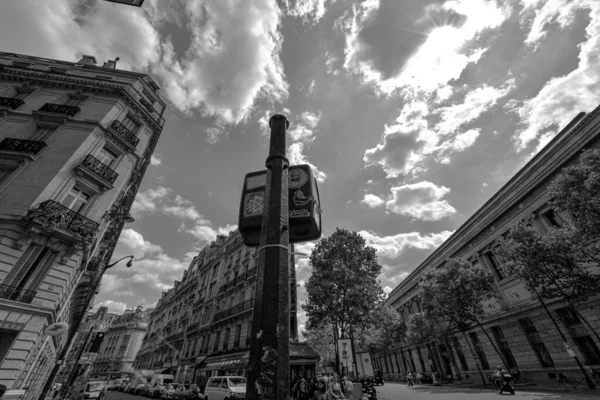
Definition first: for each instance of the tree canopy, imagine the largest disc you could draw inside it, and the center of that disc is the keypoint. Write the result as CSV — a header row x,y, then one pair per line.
x,y
321,339
343,288
387,331
425,327
577,191
455,291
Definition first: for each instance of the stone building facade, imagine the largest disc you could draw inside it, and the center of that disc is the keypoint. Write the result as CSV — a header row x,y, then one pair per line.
x,y
515,320
75,141
201,327
121,344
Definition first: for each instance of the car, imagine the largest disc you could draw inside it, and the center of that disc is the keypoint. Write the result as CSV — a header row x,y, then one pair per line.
x,y
94,390
169,393
423,378
225,387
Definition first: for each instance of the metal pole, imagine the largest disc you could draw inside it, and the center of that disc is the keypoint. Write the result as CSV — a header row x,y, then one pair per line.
x,y
294,298
269,369
74,369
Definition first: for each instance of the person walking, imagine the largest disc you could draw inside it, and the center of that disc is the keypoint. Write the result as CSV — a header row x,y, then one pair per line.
x,y
301,391
348,387
410,379
321,393
335,389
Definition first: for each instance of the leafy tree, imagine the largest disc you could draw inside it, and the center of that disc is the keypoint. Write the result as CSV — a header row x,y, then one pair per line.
x,y
425,327
321,339
388,331
343,288
552,264
455,292
577,191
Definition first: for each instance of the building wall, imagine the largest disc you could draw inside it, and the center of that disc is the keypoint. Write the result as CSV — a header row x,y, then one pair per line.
x,y
524,197
47,171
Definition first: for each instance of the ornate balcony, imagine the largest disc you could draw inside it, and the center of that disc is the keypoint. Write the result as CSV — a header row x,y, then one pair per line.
x,y
15,294
55,215
92,265
124,134
71,111
237,309
32,147
11,103
96,167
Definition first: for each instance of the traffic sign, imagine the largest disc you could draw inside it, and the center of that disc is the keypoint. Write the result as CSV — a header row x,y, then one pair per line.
x,y
56,329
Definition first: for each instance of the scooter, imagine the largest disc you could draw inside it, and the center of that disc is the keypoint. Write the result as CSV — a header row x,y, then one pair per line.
x,y
369,392
504,384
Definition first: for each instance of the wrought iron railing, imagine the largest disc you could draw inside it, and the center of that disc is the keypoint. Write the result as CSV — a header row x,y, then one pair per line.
x,y
16,294
22,145
125,133
98,168
84,80
10,102
231,311
53,213
60,109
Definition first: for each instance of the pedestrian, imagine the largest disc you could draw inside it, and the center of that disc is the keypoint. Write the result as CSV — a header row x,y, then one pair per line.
x,y
301,391
312,387
335,389
348,387
321,392
410,379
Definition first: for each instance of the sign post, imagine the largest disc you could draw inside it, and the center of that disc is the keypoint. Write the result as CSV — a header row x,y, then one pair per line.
x,y
269,363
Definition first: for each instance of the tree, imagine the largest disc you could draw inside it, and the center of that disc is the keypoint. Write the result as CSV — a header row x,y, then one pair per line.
x,y
343,288
426,328
455,293
577,191
321,339
552,264
388,331
550,267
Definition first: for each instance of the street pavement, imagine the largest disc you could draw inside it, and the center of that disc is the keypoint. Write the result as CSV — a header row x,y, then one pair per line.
x,y
399,391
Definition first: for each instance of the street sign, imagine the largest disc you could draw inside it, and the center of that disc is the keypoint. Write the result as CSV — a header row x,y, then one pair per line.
x,y
56,329
303,203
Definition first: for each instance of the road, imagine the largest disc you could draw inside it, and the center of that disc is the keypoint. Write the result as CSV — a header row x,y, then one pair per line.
x,y
398,391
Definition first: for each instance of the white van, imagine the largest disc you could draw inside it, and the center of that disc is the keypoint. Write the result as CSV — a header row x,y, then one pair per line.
x,y
225,388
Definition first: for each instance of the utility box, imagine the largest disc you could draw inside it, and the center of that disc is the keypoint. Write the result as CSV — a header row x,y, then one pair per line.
x,y
303,202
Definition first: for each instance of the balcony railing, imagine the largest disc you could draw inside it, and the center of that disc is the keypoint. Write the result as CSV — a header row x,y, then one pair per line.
x,y
84,80
53,213
98,168
60,109
22,145
124,133
231,311
16,294
193,327
11,103
238,279
93,264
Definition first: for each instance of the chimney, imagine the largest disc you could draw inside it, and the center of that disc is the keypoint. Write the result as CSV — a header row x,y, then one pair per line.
x,y
111,64
87,60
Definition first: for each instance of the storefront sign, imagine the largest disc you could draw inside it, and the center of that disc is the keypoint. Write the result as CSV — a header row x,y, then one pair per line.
x,y
15,326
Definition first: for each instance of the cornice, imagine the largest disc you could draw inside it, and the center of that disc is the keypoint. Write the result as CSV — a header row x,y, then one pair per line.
x,y
540,169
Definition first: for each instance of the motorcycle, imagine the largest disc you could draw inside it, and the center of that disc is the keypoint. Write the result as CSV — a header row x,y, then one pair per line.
x,y
369,392
504,383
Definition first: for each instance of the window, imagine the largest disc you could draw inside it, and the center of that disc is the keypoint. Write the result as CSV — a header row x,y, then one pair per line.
x,y
226,339
536,343
76,199
217,340
578,332
459,352
588,348
504,348
479,350
30,269
410,359
496,267
130,124
552,219
107,157
421,361
73,101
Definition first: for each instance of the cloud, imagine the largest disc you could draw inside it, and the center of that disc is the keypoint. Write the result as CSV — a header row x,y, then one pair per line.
x,y
117,307
372,201
391,247
156,159
422,201
164,200
303,130
232,60
296,157
310,11
561,98
146,202
440,39
311,87
135,242
206,234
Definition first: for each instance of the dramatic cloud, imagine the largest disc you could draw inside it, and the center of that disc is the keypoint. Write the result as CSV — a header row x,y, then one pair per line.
x,y
162,199
156,159
372,201
562,98
421,201
296,156
303,130
439,36
311,11
135,243
391,247
117,307
206,234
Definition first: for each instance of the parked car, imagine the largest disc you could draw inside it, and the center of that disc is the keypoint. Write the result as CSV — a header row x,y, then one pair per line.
x,y
423,378
225,387
170,392
94,390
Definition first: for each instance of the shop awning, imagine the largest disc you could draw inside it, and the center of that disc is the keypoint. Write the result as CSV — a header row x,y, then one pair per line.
x,y
301,351
229,361
198,362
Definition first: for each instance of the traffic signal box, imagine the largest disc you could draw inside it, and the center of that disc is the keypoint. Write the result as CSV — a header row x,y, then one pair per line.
x,y
304,205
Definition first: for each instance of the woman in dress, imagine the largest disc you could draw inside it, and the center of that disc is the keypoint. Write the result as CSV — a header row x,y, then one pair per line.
x,y
321,392
335,389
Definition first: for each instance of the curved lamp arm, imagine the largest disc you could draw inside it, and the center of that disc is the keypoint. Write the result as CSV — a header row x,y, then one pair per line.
x,y
129,263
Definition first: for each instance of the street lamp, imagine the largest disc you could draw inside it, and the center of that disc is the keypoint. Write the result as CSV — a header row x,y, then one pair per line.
x,y
126,216
128,265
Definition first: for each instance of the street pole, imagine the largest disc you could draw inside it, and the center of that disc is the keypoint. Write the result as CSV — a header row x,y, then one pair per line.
x,y
269,370
75,369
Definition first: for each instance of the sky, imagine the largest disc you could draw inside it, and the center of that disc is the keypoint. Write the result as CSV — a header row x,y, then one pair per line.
x,y
412,113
